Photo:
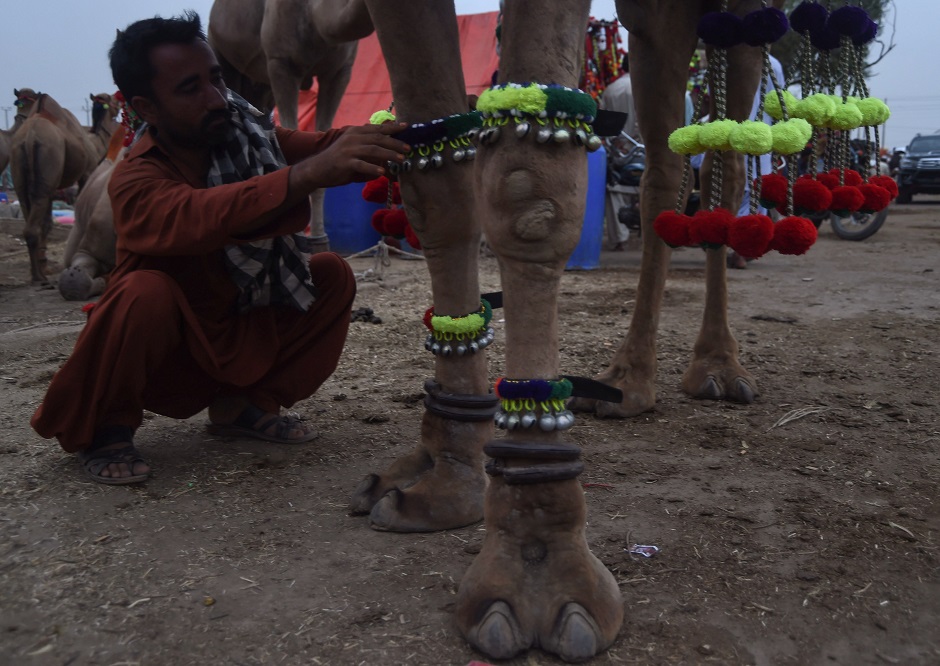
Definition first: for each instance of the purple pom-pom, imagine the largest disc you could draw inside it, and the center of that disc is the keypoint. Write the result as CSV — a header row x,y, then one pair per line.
x,y
849,21
808,17
870,32
764,26
721,29
825,38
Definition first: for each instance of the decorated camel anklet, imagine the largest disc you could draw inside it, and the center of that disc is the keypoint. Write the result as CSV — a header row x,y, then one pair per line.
x,y
526,403
429,140
467,408
535,462
459,336
552,113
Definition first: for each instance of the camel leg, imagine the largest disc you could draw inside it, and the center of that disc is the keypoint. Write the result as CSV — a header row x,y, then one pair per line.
x,y
714,372
535,582
440,484
661,42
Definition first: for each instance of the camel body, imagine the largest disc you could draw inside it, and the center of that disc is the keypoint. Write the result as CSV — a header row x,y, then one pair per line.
x,y
271,49
103,122
50,152
91,246
535,582
25,99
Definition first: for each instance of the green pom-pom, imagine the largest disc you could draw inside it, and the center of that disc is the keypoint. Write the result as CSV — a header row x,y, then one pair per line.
x,y
816,109
874,111
571,102
751,137
530,99
772,104
846,117
685,140
791,136
716,134
380,117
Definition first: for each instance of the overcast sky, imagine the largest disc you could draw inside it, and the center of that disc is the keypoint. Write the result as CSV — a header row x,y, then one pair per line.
x,y
60,47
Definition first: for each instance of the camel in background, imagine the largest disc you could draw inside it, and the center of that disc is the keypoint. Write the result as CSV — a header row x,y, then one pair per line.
x,y
90,249
50,152
271,49
535,583
103,123
25,98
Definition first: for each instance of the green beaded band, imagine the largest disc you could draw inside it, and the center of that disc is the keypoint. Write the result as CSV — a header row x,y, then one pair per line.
x,y
536,99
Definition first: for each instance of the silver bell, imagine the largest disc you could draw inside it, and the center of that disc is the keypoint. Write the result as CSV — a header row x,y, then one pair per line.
x,y
473,347
500,420
423,163
406,165
543,135
437,161
564,420
461,349
594,142
522,129
512,422
392,167
459,154
435,348
547,422
471,153
429,342
446,350
580,137
473,133
528,420
561,135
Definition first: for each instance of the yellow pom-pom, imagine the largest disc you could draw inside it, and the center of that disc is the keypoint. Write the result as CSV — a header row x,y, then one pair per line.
x,y
874,111
772,104
751,137
716,134
529,99
685,140
791,136
380,117
816,109
846,117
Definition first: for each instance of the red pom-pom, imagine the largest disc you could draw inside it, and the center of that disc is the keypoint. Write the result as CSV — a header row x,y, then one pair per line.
x,y
773,190
831,182
412,238
793,235
396,222
376,190
851,178
809,194
427,318
87,308
874,198
396,193
846,200
378,220
673,228
750,235
886,182
710,227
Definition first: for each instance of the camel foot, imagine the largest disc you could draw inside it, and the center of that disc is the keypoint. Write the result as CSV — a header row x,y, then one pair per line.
x,y
402,473
77,285
448,496
732,383
535,583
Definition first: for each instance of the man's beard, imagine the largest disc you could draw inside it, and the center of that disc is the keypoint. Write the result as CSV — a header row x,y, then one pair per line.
x,y
214,133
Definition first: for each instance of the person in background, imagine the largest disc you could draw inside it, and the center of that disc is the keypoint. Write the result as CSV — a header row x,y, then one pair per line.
x,y
214,302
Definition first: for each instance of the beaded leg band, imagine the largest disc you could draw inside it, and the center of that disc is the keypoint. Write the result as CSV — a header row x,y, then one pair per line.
x,y
429,141
551,113
459,336
549,462
458,407
525,404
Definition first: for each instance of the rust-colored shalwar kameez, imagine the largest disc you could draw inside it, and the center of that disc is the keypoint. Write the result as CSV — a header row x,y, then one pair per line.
x,y
165,335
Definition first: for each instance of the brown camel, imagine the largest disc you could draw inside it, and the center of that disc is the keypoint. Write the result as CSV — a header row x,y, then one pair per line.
x,y
25,98
51,151
103,124
535,582
271,49
90,249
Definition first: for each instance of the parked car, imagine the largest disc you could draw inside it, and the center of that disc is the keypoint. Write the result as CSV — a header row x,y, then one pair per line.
x,y
919,171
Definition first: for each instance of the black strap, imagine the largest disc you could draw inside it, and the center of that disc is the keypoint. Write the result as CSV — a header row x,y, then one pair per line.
x,y
582,387
609,123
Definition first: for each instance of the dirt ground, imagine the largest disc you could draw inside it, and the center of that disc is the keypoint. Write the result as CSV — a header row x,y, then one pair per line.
x,y
802,529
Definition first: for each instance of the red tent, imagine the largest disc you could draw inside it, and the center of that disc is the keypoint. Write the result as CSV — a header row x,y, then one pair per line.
x,y
369,89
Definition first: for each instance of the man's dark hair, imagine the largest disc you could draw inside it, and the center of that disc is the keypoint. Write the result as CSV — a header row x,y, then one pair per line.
x,y
130,53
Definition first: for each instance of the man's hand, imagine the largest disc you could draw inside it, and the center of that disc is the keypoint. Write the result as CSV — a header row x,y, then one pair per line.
x,y
358,155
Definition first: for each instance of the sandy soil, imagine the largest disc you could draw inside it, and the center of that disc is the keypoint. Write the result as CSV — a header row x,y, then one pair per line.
x,y
802,529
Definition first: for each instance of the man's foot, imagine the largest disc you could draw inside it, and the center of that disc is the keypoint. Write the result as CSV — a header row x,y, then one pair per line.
x,y
115,464
255,423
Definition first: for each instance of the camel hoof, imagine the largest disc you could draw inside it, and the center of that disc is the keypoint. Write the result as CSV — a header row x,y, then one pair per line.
x,y
498,635
362,502
576,637
386,512
743,391
74,284
710,389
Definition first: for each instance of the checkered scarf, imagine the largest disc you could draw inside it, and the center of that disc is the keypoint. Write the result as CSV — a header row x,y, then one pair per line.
x,y
274,270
